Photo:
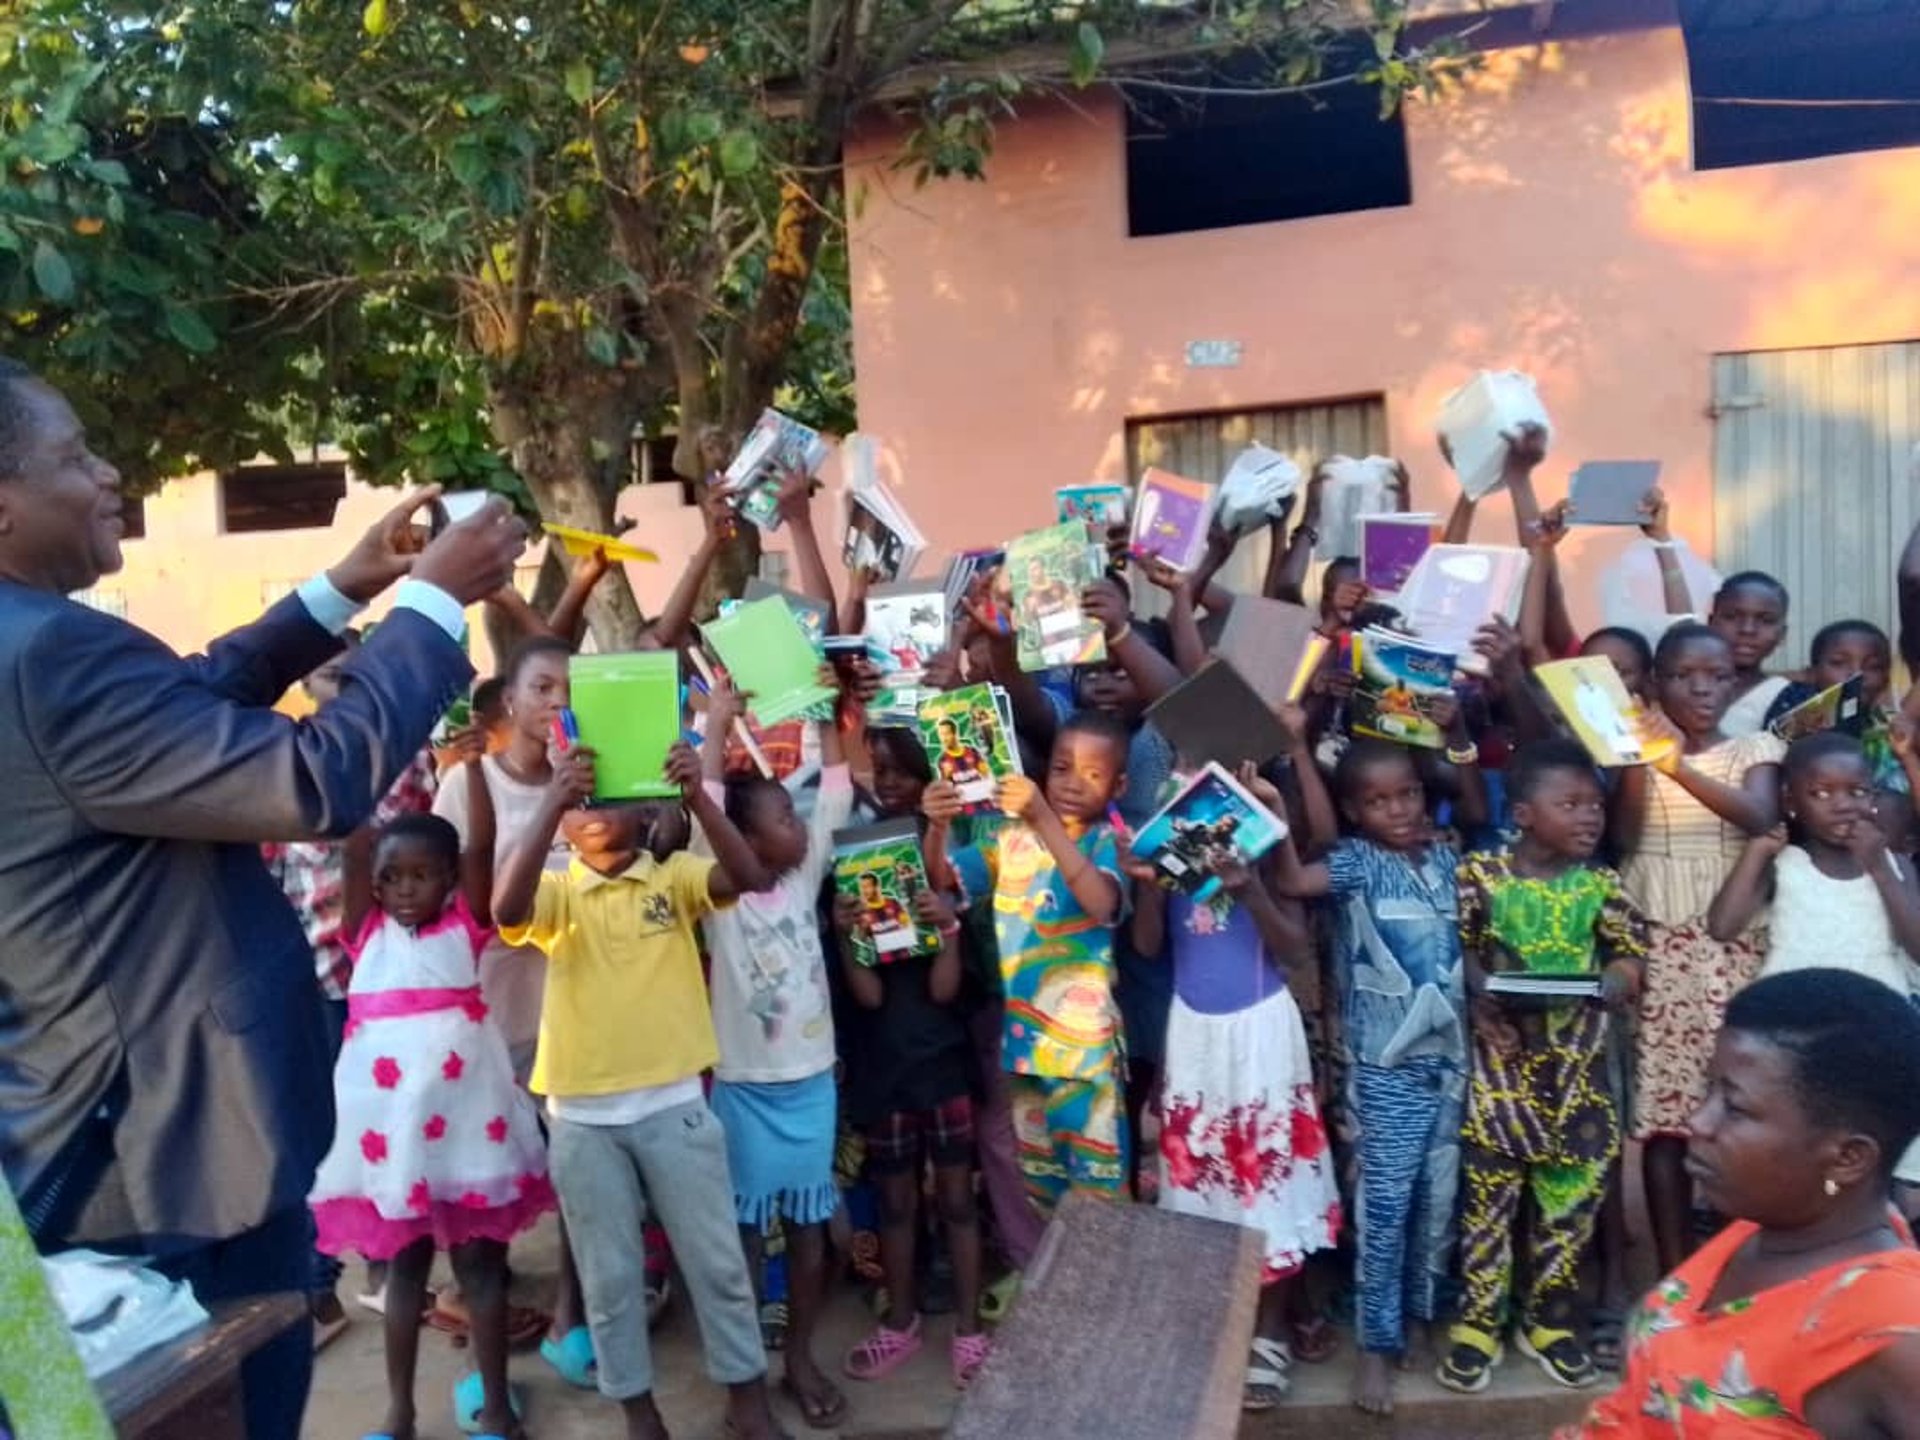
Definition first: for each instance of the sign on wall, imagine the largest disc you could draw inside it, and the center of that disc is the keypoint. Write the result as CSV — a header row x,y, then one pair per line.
x,y
1213,354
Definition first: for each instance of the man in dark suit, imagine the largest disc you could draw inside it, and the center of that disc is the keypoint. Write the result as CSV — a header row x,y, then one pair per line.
x,y
164,1086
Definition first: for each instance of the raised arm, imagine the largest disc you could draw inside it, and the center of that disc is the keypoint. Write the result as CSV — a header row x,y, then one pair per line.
x,y
740,871
1153,675
1189,649
568,617
796,508
940,802
1096,892
518,879
869,991
1673,580
1287,565
670,631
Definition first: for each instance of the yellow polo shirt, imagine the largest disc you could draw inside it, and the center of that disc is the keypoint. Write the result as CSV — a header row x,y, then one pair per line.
x,y
626,1004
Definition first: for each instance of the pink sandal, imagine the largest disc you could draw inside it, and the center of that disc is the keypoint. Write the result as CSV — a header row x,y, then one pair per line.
x,y
884,1351
967,1354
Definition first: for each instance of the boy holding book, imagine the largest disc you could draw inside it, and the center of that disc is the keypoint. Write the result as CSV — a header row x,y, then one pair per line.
x,y
1055,877
625,1035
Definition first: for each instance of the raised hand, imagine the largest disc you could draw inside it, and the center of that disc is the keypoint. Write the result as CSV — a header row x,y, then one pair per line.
x,y
386,552
683,767
934,910
940,802
1551,528
1499,642
572,774
1526,446
793,501
472,559
1106,602
1261,788
1653,516
1019,797
1772,842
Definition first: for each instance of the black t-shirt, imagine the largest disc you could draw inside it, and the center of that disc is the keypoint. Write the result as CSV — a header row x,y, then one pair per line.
x,y
909,1054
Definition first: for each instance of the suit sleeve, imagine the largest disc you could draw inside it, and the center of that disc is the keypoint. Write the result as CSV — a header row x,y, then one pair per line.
x,y
143,743
258,663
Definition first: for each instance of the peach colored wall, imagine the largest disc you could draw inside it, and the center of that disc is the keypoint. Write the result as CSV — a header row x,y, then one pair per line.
x,y
187,583
1005,331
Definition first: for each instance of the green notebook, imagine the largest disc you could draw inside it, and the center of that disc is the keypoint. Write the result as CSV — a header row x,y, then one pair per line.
x,y
43,1386
881,866
628,709
769,658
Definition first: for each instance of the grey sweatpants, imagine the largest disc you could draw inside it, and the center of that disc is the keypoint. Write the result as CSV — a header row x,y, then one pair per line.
x,y
670,1167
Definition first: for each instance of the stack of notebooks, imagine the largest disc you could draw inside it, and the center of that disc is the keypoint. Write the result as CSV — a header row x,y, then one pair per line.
x,y
1047,571
1098,506
964,568
968,735
907,625
881,537
881,866
1476,419
1170,519
1526,985
1212,814
771,661
627,709
776,444
1396,681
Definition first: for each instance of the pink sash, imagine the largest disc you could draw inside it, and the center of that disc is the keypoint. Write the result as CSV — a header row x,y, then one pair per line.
x,y
393,1004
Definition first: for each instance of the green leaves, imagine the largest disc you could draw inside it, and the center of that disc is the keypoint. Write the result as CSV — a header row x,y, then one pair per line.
x,y
739,152
186,326
579,82
1089,48
375,19
51,273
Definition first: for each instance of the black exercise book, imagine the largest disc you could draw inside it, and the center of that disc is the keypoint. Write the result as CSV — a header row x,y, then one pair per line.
x,y
1216,715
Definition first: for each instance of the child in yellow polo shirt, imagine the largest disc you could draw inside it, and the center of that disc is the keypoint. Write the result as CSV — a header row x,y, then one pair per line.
x,y
624,1036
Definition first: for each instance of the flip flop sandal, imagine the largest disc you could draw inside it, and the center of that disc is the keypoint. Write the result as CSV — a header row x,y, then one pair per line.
x,y
572,1357
819,1415
470,1397
997,1299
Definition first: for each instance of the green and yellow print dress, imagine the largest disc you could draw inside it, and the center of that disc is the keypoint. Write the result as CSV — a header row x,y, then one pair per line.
x,y
1547,1103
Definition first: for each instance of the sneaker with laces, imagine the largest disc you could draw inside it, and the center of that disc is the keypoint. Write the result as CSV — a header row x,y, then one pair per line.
x,y
884,1351
967,1354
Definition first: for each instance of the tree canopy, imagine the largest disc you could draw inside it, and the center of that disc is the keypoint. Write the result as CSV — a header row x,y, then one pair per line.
x,y
480,243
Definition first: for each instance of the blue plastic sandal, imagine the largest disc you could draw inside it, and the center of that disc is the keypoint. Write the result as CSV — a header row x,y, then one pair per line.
x,y
470,1397
572,1356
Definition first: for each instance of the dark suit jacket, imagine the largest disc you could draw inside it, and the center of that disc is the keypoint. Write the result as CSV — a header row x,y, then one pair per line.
x,y
164,1078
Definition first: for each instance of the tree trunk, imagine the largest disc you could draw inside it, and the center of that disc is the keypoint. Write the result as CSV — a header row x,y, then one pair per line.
x,y
568,423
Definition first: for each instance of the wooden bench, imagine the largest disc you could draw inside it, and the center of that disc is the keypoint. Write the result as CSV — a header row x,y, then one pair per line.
x,y
1132,1324
190,1389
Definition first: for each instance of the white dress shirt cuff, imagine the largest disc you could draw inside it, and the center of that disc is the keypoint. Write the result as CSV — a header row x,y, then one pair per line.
x,y
434,603
329,609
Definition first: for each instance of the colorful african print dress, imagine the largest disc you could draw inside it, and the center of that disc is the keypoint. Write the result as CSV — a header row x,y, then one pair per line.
x,y
1746,1367
1540,1119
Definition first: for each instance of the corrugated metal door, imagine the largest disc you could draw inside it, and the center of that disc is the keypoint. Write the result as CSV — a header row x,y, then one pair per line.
x,y
1201,447
1812,477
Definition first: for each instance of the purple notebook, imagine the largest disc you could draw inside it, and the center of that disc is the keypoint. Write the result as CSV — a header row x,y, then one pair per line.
x,y
1170,519
1390,546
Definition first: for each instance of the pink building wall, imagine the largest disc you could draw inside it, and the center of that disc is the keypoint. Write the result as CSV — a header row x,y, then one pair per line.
x,y
1006,331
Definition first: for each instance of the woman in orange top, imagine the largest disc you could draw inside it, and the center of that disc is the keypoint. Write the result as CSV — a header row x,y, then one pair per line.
x,y
1802,1318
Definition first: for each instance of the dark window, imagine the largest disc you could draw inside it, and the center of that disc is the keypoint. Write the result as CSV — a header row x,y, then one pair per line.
x,y
1845,69
1205,162
280,497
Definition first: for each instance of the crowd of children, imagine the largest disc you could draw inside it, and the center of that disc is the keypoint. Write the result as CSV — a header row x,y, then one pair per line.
x,y
1321,1049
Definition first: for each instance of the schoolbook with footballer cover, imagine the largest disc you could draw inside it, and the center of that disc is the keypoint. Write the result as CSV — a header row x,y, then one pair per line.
x,y
1213,813
968,736
881,866
1396,681
1047,570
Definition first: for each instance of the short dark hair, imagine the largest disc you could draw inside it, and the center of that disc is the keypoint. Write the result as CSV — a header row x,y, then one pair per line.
x,y
1100,725
488,694
1363,754
1855,1048
743,792
1758,579
1682,634
1627,636
528,649
1828,634
15,417
1809,750
1533,762
429,830
905,747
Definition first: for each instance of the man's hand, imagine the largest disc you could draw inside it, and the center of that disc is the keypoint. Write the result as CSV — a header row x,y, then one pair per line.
x,y
1161,574
474,558
724,705
386,552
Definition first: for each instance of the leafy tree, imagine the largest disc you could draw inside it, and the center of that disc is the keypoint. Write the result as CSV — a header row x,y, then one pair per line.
x,y
475,241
